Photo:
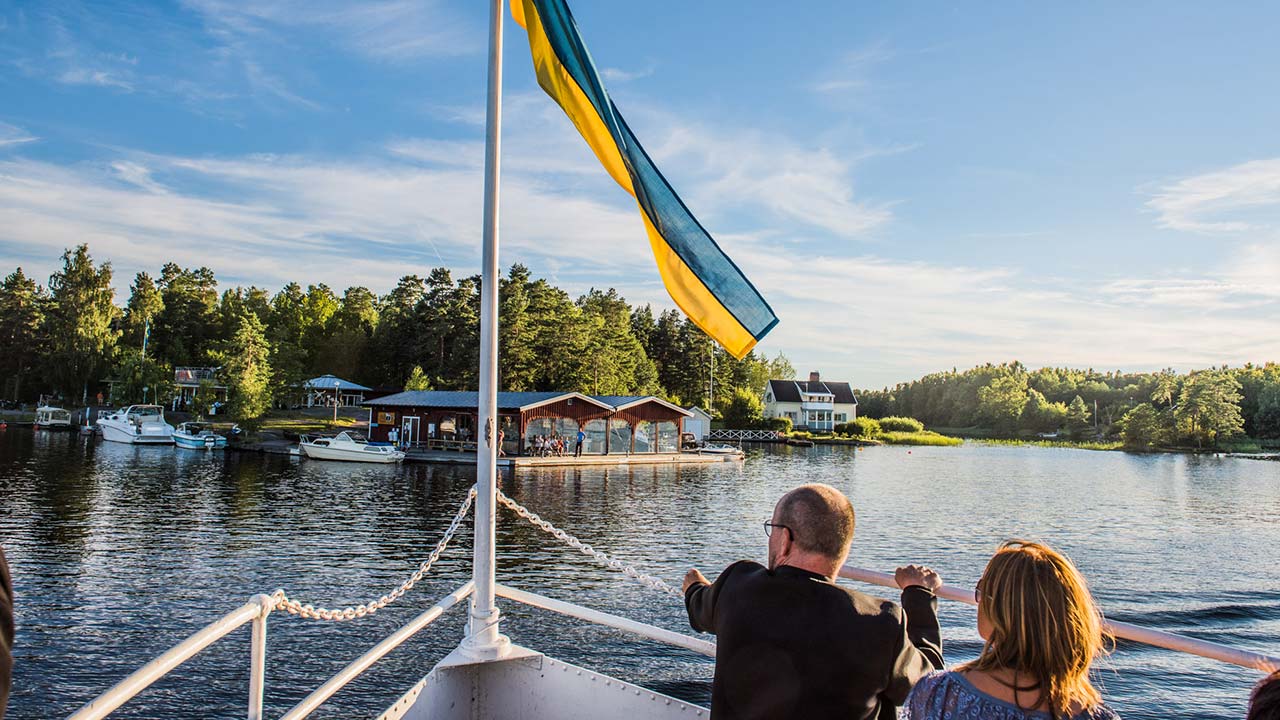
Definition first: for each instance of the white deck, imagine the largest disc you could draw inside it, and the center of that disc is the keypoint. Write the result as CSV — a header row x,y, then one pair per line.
x,y
531,686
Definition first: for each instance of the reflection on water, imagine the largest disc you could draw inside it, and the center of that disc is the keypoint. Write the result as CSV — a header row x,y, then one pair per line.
x,y
118,552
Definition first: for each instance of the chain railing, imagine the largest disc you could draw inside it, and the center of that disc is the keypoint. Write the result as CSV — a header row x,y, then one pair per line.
x,y
306,610
625,568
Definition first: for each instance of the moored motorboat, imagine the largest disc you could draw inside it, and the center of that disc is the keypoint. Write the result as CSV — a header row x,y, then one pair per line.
x,y
52,418
197,436
715,449
138,425
346,447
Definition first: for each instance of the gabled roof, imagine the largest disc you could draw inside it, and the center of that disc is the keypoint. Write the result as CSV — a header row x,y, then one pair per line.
x,y
790,390
325,382
470,399
622,402
509,401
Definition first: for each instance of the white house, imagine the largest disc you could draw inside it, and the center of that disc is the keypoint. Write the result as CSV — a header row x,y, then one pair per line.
x,y
699,424
812,405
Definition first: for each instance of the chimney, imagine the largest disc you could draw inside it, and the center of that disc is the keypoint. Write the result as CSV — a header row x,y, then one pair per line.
x,y
813,377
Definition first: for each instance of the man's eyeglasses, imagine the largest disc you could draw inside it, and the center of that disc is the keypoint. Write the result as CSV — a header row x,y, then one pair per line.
x,y
769,525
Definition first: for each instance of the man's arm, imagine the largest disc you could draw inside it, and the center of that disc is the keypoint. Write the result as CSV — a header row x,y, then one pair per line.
x,y
700,598
920,647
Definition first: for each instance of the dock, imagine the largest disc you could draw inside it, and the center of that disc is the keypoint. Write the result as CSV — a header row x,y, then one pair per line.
x,y
450,457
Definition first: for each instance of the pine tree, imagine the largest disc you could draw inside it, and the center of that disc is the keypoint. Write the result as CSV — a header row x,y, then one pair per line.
x,y
78,325
247,370
23,305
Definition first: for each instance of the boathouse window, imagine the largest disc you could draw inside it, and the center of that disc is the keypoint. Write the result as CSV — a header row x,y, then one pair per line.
x,y
619,437
567,428
668,437
644,436
542,426
594,444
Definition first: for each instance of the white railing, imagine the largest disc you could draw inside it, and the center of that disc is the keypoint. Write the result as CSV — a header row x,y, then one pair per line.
x,y
1146,636
310,703
748,435
653,632
255,611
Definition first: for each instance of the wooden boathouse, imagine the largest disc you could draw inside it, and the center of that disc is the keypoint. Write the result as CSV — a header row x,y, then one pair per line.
x,y
613,424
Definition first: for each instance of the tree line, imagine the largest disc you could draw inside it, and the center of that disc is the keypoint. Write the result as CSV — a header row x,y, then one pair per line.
x,y
69,337
1162,408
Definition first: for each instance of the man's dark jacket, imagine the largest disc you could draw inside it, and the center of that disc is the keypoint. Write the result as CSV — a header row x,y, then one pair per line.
x,y
792,644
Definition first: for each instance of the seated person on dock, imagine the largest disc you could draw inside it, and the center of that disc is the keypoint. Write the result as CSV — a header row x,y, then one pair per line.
x,y
1042,631
1264,704
793,644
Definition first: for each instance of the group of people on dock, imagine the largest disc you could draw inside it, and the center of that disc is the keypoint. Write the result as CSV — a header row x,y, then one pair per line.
x,y
548,445
791,643
555,445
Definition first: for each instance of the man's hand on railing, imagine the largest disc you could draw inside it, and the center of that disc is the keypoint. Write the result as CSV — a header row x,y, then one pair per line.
x,y
917,575
693,577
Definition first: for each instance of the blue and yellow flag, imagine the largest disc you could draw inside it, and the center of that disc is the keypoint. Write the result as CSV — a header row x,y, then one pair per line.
x,y
703,281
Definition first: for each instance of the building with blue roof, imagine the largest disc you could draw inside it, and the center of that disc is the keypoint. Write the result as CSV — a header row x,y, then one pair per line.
x,y
612,424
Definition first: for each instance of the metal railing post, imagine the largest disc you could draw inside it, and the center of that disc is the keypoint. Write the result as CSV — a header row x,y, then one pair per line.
x,y
258,656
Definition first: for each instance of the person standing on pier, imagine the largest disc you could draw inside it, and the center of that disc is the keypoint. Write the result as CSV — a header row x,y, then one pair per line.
x,y
582,438
790,643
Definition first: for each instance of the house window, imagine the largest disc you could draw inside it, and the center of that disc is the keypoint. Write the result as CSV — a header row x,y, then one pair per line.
x,y
842,417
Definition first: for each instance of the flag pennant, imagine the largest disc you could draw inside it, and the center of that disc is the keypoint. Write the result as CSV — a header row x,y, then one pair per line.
x,y
702,280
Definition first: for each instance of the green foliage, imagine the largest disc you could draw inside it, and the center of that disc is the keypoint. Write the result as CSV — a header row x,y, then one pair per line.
x,y
1078,417
1209,407
417,380
778,424
1001,402
140,379
205,395
23,306
744,410
900,424
918,438
186,329
1267,419
1040,415
1144,427
860,427
247,371
78,325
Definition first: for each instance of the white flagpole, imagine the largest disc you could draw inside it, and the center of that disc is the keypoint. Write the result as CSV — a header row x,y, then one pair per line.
x,y
483,640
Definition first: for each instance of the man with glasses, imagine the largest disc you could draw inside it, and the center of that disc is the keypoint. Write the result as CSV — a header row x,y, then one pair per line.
x,y
793,644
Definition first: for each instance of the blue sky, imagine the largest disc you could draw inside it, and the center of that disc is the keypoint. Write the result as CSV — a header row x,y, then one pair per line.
x,y
913,187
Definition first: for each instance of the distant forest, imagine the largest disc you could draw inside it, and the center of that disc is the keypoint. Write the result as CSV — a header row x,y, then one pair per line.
x,y
1144,409
69,336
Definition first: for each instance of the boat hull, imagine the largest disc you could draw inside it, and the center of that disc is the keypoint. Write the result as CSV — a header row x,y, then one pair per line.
x,y
147,435
324,453
199,442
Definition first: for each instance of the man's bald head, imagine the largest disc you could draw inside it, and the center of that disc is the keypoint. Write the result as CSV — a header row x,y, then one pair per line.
x,y
820,517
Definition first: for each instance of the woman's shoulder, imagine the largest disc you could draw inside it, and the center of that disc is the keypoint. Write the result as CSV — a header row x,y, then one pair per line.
x,y
1099,712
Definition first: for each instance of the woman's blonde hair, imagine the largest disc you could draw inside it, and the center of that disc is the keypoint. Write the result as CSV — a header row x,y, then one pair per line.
x,y
1044,625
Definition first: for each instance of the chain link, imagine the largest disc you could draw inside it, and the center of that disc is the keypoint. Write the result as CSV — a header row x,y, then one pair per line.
x,y
625,568
306,610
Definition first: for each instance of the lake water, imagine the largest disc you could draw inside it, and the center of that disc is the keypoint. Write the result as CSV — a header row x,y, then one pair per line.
x,y
120,552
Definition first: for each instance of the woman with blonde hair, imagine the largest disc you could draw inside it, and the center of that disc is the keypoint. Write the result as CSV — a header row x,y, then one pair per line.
x,y
1042,631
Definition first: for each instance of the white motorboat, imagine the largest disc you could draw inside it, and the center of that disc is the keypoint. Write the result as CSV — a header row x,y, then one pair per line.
x,y
346,447
716,449
137,424
198,435
52,418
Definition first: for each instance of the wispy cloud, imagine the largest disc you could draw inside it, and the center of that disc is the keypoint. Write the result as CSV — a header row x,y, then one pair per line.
x,y
618,75
851,73
12,136
89,76
391,30
1236,199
